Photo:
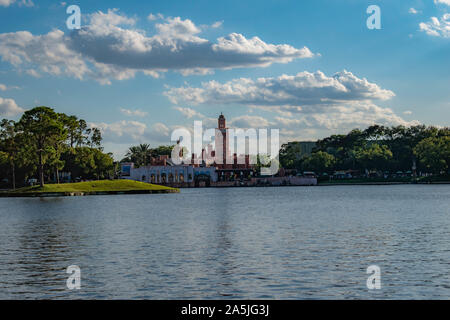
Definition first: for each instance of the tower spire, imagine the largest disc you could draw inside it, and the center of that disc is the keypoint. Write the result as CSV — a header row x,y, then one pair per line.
x,y
221,121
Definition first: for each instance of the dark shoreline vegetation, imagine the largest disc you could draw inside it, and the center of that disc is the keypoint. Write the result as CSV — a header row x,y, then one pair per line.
x,y
46,146
417,154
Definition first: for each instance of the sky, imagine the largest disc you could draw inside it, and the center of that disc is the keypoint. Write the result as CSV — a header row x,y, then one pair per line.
x,y
140,69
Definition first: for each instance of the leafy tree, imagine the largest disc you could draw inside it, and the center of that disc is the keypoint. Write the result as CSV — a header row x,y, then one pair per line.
x,y
85,161
374,156
162,151
140,154
9,146
42,129
400,140
291,155
104,164
96,138
341,146
434,153
319,162
81,133
72,124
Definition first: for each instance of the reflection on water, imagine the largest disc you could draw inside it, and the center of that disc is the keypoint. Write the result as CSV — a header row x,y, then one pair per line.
x,y
292,243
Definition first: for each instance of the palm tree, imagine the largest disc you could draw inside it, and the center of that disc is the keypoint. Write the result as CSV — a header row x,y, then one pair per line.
x,y
140,154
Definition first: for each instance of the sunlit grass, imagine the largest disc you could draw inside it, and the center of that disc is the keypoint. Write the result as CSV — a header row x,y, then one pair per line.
x,y
95,186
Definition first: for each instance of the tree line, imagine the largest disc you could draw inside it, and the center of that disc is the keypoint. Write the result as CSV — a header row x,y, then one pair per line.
x,y
377,148
142,154
43,142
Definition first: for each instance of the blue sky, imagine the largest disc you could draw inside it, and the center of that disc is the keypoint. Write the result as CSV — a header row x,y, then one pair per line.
x,y
310,68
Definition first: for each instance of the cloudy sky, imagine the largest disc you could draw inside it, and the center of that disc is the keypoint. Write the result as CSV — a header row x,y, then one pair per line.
x,y
138,70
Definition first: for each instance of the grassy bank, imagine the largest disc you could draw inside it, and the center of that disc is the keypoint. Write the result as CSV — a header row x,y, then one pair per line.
x,y
93,187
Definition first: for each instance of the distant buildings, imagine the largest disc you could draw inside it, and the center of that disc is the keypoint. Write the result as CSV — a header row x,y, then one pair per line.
x,y
179,175
223,167
217,167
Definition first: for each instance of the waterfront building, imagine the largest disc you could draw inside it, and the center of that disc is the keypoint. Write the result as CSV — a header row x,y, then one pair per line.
x,y
211,166
174,174
229,166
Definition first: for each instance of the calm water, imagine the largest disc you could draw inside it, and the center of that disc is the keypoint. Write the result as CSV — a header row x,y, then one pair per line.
x,y
291,243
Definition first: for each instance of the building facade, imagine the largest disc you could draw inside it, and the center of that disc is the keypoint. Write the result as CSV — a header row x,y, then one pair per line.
x,y
180,175
224,166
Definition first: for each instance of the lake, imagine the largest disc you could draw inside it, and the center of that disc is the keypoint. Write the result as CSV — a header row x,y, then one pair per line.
x,y
230,243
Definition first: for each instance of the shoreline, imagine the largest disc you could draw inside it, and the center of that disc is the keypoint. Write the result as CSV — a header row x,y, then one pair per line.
x,y
89,188
380,183
8,194
80,193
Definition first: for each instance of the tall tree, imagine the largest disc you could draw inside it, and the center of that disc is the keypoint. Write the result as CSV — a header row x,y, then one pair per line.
x,y
96,138
72,124
42,128
81,132
9,145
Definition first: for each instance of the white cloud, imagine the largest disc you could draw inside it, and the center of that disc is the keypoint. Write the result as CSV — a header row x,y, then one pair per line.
x,y
341,118
436,27
413,11
354,115
289,122
447,2
110,47
6,3
125,131
407,112
153,17
306,100
302,89
137,112
338,119
217,24
122,131
159,132
25,3
247,121
49,53
9,108
4,87
33,73
188,112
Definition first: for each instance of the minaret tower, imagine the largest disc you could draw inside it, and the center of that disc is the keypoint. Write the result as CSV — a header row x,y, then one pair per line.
x,y
221,122
222,139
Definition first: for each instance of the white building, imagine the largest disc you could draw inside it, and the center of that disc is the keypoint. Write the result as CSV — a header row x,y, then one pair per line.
x,y
171,174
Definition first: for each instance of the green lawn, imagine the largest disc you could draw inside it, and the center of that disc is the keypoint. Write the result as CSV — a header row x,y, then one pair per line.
x,y
94,186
